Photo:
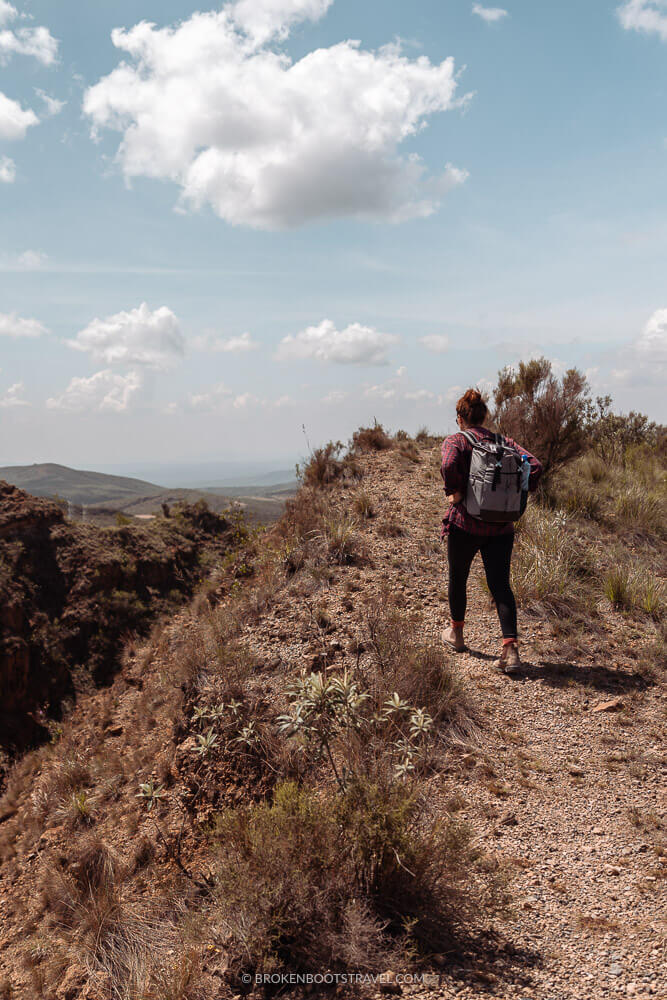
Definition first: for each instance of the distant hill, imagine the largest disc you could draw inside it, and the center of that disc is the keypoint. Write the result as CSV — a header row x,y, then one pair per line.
x,y
99,497
76,485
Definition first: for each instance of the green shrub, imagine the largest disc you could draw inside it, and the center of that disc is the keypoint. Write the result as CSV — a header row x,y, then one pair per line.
x,y
303,882
614,435
545,414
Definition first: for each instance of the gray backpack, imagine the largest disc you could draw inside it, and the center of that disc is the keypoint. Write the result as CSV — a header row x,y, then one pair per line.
x,y
497,483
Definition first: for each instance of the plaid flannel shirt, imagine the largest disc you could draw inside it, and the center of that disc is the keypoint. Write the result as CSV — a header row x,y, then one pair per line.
x,y
456,456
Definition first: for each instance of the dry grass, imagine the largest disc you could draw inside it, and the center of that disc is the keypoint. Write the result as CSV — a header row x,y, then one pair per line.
x,y
327,465
128,947
372,438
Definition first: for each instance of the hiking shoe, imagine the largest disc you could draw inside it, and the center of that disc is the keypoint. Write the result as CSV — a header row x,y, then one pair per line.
x,y
453,636
509,662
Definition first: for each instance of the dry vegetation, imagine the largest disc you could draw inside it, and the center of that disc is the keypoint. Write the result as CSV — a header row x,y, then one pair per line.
x,y
215,813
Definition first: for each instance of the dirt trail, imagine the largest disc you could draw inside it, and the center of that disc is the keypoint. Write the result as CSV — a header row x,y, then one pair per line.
x,y
569,794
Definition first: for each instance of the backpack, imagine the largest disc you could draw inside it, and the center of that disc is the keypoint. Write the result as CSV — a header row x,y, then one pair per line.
x,y
497,488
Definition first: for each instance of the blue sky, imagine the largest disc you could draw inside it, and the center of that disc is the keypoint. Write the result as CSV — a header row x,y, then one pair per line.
x,y
321,233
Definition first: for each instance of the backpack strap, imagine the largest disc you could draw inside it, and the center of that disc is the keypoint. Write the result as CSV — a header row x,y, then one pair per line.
x,y
470,438
499,441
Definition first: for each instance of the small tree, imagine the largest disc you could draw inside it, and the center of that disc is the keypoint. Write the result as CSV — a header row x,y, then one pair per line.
x,y
611,434
547,415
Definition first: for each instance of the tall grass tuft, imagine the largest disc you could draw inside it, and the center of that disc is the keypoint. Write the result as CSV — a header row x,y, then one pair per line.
x,y
642,511
544,569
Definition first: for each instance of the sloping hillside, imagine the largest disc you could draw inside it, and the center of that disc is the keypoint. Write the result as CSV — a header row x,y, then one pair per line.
x,y
76,485
179,840
70,594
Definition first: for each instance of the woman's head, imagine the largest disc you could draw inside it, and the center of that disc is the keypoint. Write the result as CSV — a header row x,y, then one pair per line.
x,y
471,408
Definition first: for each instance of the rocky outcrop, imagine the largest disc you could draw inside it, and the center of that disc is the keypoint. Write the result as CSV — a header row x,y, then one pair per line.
x,y
71,593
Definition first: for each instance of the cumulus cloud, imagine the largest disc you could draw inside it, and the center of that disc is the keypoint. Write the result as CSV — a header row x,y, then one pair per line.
x,y
14,396
7,170
264,19
7,13
652,344
37,42
138,337
436,343
14,121
104,391
212,105
649,16
354,345
13,325
226,345
489,14
644,361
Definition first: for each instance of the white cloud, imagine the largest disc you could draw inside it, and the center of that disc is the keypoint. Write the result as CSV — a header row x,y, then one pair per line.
x,y
386,390
14,396
137,337
13,325
489,14
211,400
652,344
335,396
436,343
53,105
649,16
354,345
226,345
105,390
264,19
7,170
37,43
31,260
245,400
7,12
266,141
221,399
419,395
14,121
393,391
643,362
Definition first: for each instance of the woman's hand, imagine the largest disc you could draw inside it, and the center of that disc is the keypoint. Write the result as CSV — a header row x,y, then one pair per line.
x,y
453,498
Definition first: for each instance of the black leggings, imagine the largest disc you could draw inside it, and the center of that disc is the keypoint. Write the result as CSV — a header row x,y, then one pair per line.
x,y
462,547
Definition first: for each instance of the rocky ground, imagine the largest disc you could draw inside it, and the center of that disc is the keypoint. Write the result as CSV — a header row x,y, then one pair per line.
x,y
562,780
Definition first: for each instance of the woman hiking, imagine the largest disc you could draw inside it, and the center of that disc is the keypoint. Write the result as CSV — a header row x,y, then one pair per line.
x,y
468,535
